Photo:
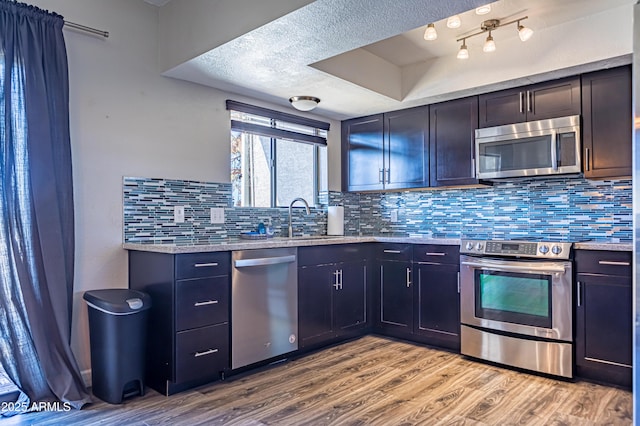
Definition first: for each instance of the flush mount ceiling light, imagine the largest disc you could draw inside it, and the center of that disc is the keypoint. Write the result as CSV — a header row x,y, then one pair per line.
x,y
491,25
430,34
454,22
304,103
483,10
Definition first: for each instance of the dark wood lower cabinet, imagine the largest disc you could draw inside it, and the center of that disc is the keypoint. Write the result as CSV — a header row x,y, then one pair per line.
x,y
188,338
418,293
438,304
604,320
333,295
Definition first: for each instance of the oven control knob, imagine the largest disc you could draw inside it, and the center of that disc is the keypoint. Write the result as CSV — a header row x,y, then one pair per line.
x,y
479,246
469,246
543,249
556,249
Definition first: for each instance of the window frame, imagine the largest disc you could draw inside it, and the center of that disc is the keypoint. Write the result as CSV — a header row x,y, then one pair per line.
x,y
316,137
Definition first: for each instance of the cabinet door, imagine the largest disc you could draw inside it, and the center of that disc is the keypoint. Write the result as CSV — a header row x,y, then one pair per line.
x,y
452,135
362,153
438,304
396,296
350,297
557,98
315,309
406,136
503,107
606,123
604,328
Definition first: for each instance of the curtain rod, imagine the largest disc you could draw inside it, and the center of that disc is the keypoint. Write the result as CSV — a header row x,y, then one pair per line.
x,y
86,29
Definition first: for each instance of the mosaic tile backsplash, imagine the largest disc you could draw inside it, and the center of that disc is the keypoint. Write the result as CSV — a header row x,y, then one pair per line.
x,y
561,208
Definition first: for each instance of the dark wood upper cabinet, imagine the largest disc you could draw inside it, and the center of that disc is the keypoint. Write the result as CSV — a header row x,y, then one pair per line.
x,y
451,138
406,136
362,148
557,98
607,123
386,151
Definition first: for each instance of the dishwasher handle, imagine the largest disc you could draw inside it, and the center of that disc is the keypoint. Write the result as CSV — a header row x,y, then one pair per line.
x,y
264,261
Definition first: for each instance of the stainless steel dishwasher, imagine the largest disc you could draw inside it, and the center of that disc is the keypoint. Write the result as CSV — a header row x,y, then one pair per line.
x,y
264,304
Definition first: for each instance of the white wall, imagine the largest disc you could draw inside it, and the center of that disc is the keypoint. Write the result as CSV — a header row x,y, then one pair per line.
x,y
128,120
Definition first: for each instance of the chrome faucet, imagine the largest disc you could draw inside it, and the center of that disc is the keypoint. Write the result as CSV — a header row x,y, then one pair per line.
x,y
306,206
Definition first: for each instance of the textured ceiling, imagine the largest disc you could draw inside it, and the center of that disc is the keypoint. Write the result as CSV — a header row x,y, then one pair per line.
x,y
353,54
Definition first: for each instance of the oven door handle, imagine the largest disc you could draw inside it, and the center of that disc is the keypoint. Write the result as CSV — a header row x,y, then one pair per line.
x,y
515,268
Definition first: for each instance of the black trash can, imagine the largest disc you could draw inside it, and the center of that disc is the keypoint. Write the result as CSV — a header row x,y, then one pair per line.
x,y
117,334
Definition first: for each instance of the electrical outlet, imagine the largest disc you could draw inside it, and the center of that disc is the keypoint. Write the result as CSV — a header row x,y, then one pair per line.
x,y
394,216
178,214
217,215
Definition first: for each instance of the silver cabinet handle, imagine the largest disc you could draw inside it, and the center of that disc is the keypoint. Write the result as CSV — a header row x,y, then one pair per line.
x,y
579,295
458,282
264,261
207,352
554,151
613,263
529,101
392,251
205,265
408,277
588,159
340,279
388,175
380,175
336,279
435,254
208,302
520,96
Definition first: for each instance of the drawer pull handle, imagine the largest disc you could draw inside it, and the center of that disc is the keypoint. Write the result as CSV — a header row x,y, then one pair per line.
x,y
393,251
208,352
205,265
613,263
435,254
208,302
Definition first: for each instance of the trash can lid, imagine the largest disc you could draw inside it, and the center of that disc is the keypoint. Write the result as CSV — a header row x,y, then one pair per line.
x,y
118,301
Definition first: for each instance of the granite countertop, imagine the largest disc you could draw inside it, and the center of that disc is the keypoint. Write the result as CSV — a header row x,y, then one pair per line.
x,y
238,244
603,245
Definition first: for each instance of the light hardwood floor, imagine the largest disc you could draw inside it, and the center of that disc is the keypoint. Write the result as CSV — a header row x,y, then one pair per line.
x,y
369,381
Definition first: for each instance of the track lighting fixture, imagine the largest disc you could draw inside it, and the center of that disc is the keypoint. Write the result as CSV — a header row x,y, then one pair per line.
x,y
431,33
491,25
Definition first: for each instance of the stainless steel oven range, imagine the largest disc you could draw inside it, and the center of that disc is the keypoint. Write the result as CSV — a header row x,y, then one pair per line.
x,y
516,304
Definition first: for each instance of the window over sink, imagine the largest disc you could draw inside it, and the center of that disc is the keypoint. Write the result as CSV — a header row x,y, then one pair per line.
x,y
275,157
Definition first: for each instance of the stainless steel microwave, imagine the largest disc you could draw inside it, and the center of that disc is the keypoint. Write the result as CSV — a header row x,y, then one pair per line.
x,y
534,148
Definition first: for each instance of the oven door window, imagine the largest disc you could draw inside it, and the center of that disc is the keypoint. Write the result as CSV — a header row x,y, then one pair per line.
x,y
513,297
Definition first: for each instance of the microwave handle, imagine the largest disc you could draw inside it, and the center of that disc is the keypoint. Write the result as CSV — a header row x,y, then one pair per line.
x,y
554,151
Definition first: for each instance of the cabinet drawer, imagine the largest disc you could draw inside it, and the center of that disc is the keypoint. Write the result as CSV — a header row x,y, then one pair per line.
x,y
197,265
436,254
202,352
603,262
202,301
400,252
323,255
